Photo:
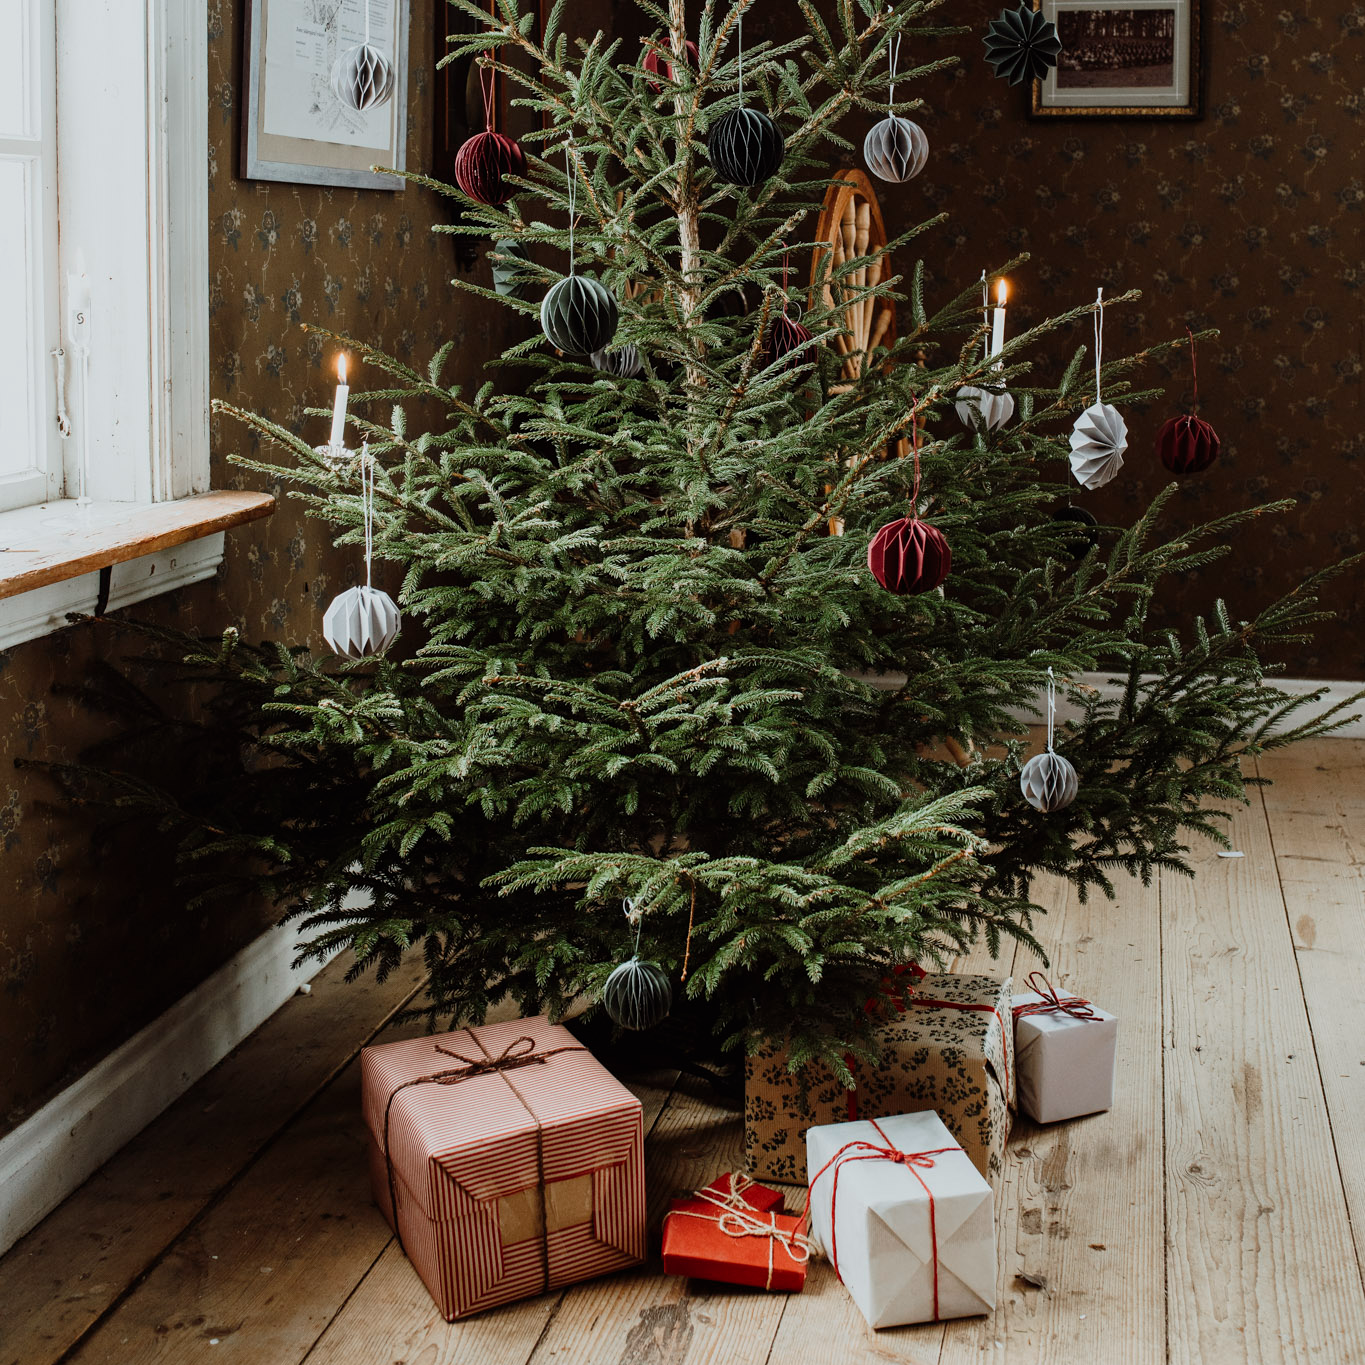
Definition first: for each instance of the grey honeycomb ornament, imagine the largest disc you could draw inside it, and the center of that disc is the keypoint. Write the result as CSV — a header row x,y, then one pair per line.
x,y
637,995
507,259
1098,441
623,363
362,77
745,147
1022,44
361,623
989,409
1049,782
579,315
895,149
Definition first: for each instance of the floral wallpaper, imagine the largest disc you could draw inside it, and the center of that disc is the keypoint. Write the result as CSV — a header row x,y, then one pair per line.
x,y
1249,220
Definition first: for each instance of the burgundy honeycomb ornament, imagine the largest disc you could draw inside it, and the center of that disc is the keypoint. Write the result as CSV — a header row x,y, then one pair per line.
x,y
788,336
657,64
1188,444
485,160
908,556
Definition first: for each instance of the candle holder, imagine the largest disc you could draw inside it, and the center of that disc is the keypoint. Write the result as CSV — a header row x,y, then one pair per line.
x,y
335,453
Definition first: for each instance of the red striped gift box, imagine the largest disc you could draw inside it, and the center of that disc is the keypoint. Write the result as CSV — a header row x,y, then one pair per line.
x,y
506,1159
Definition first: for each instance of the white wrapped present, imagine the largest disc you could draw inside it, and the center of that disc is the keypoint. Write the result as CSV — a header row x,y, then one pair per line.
x,y
1063,1053
904,1217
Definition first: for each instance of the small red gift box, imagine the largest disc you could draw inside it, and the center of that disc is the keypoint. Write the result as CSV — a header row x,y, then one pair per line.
x,y
731,1232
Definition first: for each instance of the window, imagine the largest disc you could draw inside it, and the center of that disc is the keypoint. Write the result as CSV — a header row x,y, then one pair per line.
x,y
104,246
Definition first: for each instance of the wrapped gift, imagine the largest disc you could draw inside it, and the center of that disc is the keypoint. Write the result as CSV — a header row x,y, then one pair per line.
x,y
947,1046
1064,1053
734,1231
904,1217
506,1159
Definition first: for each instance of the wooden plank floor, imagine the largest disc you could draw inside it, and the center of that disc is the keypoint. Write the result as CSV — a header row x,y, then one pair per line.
x,y
1217,1214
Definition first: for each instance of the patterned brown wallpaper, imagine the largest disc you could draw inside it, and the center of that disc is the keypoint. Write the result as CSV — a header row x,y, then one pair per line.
x,y
1249,220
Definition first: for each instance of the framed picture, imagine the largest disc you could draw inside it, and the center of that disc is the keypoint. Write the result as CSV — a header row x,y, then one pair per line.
x,y
293,127
1122,59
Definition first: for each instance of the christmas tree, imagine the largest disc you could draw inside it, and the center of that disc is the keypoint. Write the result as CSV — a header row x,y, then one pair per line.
x,y
642,656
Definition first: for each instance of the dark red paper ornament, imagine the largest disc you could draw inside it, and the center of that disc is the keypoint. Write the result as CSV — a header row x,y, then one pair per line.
x,y
788,336
1188,444
484,160
657,64
908,556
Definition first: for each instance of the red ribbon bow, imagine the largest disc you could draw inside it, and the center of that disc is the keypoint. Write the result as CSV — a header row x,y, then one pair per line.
x,y
1052,1003
869,1151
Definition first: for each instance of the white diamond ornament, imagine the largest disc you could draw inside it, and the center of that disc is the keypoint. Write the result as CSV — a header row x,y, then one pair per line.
x,y
362,77
1098,441
989,408
1049,782
361,623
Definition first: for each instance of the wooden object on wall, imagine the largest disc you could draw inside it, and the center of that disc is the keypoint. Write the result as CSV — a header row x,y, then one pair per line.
x,y
851,221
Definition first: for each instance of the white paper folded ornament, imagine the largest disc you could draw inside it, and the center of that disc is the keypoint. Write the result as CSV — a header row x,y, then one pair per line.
x,y
362,77
881,1226
989,408
1049,782
1098,441
1064,1065
361,622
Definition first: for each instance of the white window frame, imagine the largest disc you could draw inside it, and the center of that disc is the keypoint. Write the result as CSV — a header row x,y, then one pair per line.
x,y
131,109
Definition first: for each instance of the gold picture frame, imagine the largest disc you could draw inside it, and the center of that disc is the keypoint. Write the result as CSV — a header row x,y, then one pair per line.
x,y
1123,59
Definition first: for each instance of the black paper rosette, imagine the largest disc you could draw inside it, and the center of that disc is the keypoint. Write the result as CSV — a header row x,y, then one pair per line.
x,y
1022,44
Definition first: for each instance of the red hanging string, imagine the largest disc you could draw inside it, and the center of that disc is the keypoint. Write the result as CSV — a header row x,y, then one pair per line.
x,y
914,446
486,81
1194,369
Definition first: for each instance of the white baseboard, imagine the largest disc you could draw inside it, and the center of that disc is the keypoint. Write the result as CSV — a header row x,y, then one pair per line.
x,y
1110,685
67,1140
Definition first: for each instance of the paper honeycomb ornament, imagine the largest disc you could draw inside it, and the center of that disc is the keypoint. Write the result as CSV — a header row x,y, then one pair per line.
x,y
362,77
1022,44
1187,445
507,258
361,623
745,147
637,995
657,64
483,163
895,149
1049,782
1098,441
579,315
908,556
623,363
788,338
988,408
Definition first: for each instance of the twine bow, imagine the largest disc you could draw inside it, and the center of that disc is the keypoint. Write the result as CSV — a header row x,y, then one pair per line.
x,y
1052,1003
861,1150
518,1053
737,1218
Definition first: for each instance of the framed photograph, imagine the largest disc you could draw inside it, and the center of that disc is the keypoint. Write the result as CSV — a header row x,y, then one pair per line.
x,y
1122,59
293,126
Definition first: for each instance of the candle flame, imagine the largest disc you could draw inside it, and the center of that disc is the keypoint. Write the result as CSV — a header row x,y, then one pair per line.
x,y
1000,292
341,368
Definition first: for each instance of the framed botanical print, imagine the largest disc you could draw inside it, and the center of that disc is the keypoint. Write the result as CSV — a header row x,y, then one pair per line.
x,y
1122,59
294,127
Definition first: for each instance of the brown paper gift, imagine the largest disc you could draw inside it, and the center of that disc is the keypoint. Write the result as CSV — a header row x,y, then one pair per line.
x,y
515,1161
949,1048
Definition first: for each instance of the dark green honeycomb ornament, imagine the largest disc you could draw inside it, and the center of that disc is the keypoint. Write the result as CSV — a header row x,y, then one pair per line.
x,y
579,315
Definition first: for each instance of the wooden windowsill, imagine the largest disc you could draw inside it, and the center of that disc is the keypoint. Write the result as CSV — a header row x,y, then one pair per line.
x,y
57,541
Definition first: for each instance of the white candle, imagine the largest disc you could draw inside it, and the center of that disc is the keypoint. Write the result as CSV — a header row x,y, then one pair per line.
x,y
998,321
338,437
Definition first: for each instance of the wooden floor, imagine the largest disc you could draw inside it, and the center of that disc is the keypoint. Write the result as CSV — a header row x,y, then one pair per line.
x,y
1214,1215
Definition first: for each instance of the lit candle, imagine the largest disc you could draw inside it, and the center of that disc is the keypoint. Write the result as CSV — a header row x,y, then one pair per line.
x,y
338,437
998,322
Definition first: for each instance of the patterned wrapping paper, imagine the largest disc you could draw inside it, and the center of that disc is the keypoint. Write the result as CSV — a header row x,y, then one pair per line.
x,y
956,1061
507,1182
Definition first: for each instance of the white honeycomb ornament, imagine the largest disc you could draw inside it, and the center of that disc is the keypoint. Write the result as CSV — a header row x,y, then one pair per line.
x,y
989,408
1100,435
1049,781
361,623
362,77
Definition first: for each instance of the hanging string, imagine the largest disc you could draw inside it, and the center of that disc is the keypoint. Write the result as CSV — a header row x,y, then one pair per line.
x,y
487,83
914,447
741,53
573,196
893,50
1194,370
1099,338
1051,707
986,316
367,505
367,23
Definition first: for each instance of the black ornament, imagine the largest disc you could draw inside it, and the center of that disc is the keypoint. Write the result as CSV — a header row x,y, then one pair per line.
x,y
579,315
1022,44
745,147
1080,534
